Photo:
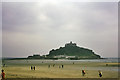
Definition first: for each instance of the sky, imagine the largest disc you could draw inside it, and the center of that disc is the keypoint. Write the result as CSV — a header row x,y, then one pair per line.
x,y
37,27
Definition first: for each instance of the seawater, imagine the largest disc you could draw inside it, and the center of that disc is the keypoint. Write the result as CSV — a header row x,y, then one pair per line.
x,y
35,61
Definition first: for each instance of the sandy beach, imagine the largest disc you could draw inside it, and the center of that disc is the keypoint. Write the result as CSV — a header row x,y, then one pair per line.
x,y
53,69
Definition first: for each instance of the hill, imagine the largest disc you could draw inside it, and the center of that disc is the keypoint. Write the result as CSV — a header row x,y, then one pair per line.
x,y
71,50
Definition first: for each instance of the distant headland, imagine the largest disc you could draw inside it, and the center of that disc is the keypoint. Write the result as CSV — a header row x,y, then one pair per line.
x,y
69,51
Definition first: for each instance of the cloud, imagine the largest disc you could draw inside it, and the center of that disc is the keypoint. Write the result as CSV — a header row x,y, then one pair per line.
x,y
30,27
0,31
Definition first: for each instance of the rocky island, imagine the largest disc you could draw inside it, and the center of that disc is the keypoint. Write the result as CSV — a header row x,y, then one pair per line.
x,y
69,51
72,51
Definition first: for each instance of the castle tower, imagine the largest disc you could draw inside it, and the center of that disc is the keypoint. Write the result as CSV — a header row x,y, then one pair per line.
x,y
70,44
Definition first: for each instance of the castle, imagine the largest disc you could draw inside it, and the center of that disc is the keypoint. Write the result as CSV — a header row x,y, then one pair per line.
x,y
69,51
70,44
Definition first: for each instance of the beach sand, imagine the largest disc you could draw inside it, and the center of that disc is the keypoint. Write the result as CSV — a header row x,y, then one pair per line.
x,y
69,71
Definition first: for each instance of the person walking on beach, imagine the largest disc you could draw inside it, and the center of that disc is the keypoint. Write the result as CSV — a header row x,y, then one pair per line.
x,y
31,67
100,73
34,67
3,75
59,66
48,66
83,72
53,65
62,66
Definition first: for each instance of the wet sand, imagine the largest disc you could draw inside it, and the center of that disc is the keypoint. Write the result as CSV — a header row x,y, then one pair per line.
x,y
21,69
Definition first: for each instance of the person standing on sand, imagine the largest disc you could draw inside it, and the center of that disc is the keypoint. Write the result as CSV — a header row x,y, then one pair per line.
x,y
83,72
100,73
3,75
48,66
53,65
34,67
31,67
62,66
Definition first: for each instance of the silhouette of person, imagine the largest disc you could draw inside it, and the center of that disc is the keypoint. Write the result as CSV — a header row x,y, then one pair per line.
x,y
59,67
48,66
3,75
106,64
62,66
83,72
31,67
100,73
53,65
34,67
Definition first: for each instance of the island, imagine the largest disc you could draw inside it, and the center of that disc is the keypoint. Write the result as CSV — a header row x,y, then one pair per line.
x,y
69,51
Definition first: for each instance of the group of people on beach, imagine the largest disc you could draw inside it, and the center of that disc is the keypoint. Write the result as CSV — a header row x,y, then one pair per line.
x,y
83,73
33,67
60,66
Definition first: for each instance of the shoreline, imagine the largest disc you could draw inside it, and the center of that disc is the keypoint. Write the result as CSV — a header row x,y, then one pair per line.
x,y
62,78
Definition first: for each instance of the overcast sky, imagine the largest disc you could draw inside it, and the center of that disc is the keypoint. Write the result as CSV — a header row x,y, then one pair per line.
x,y
38,27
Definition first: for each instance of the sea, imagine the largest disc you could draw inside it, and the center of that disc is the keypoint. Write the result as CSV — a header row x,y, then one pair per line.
x,y
109,60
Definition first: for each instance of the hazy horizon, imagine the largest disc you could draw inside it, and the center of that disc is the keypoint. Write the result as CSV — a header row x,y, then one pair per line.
x,y
38,27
